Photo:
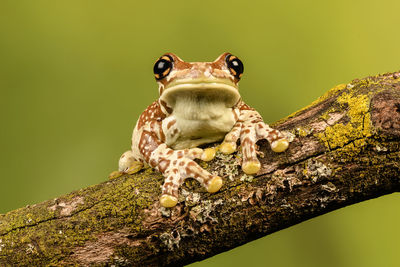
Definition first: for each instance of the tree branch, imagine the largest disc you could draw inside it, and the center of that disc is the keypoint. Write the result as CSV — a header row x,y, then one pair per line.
x,y
345,150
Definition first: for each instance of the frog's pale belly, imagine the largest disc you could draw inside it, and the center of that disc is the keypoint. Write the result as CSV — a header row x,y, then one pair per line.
x,y
200,123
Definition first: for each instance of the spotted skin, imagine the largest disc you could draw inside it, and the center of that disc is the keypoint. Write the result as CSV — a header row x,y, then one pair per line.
x,y
251,128
177,165
199,104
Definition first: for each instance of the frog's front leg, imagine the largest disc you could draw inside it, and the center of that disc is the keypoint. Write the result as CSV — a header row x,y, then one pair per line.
x,y
250,128
176,166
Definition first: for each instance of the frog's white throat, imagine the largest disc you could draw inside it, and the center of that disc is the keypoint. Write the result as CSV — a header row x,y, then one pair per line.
x,y
191,108
198,97
202,116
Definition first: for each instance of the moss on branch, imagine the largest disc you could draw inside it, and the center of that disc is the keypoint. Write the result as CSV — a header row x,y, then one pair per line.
x,y
345,149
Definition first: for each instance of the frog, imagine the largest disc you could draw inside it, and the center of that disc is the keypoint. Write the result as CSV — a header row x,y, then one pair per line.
x,y
199,103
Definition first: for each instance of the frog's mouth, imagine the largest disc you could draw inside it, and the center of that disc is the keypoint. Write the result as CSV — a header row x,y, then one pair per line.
x,y
222,91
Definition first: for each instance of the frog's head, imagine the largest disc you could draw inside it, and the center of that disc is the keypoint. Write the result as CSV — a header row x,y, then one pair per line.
x,y
202,81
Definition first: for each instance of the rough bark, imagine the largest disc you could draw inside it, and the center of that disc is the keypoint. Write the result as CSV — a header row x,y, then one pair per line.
x,y
345,149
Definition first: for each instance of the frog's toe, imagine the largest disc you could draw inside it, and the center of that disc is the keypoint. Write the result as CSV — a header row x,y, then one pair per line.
x,y
126,160
168,201
251,167
214,184
115,174
135,167
280,145
208,154
228,147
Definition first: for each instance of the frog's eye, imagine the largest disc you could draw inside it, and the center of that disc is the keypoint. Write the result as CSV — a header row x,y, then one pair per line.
x,y
162,67
235,66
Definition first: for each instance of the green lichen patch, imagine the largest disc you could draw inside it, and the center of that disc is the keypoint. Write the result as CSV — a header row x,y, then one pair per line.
x,y
170,240
246,178
205,211
316,170
227,166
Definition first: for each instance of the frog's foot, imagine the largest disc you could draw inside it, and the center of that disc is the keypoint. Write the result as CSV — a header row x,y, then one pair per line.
x,y
250,134
176,166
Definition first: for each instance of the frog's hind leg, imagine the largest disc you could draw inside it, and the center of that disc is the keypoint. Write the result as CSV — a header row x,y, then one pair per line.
x,y
127,164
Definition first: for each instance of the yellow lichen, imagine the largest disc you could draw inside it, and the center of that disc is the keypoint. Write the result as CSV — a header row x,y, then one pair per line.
x,y
334,90
304,131
358,127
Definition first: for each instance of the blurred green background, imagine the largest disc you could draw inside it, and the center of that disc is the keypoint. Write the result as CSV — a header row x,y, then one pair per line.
x,y
75,75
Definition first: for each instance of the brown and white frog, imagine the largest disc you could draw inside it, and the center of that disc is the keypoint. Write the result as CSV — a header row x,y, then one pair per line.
x,y
199,104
